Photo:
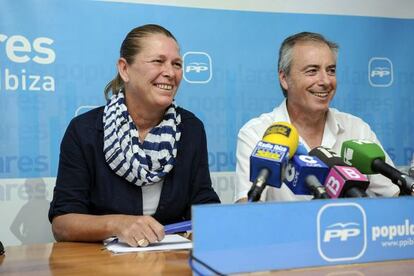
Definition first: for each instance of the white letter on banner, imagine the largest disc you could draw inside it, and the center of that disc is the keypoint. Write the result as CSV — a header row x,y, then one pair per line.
x,y
375,232
343,234
384,231
18,43
50,54
392,232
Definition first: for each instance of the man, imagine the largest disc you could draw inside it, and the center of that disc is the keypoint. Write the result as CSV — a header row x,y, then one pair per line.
x,y
307,76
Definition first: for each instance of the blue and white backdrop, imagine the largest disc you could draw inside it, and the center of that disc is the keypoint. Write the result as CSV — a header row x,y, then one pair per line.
x,y
57,56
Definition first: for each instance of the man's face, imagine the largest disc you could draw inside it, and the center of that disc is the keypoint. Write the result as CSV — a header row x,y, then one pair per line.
x,y
311,82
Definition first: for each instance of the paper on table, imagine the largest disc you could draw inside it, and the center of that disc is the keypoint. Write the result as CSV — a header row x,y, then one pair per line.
x,y
170,242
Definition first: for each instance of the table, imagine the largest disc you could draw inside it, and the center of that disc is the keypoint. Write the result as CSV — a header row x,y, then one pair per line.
x,y
68,258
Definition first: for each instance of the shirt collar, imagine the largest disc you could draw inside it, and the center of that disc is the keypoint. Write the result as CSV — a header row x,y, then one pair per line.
x,y
284,113
332,129
332,126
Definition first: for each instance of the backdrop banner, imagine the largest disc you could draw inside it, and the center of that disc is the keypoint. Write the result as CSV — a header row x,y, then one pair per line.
x,y
57,56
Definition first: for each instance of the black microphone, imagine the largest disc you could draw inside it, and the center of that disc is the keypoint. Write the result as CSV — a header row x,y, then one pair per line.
x,y
342,180
1,249
318,190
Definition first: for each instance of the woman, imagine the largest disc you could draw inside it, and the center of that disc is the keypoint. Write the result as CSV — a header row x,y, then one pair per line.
x,y
139,162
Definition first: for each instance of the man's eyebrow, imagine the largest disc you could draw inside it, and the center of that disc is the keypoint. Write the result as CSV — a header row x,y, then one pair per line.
x,y
311,66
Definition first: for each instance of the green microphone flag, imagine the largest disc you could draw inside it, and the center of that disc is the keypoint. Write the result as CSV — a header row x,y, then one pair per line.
x,y
361,153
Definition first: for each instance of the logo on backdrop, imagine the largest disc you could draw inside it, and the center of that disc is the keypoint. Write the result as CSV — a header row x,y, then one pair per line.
x,y
197,67
342,233
380,72
27,59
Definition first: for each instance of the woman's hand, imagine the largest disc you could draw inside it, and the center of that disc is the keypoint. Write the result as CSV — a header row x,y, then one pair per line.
x,y
134,230
138,230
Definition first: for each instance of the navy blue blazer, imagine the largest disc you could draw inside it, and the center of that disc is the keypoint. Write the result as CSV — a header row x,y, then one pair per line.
x,y
85,183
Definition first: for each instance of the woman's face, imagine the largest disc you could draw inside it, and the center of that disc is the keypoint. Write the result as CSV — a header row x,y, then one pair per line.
x,y
155,74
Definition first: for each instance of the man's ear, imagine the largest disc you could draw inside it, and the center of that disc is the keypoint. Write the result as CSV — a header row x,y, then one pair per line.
x,y
283,80
123,69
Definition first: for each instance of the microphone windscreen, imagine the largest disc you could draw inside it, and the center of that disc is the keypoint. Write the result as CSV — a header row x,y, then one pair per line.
x,y
343,178
299,168
284,134
271,157
329,157
361,153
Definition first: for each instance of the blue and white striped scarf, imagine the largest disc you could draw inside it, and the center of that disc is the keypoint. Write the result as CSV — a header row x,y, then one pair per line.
x,y
139,163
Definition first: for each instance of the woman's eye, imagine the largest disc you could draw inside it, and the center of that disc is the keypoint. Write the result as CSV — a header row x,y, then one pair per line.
x,y
178,65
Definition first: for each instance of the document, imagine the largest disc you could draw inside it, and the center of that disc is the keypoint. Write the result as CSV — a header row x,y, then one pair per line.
x,y
170,242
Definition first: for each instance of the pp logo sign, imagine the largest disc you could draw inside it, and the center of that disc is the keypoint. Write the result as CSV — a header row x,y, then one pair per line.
x,y
341,231
380,72
342,234
197,67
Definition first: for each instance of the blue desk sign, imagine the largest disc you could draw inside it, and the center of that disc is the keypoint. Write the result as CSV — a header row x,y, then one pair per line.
x,y
269,236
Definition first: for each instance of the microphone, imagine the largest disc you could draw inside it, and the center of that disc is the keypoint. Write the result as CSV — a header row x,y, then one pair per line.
x,y
266,165
342,180
1,249
283,133
369,158
270,156
301,150
304,175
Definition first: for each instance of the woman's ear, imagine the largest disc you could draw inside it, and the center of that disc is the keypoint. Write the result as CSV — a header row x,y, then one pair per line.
x,y
123,69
